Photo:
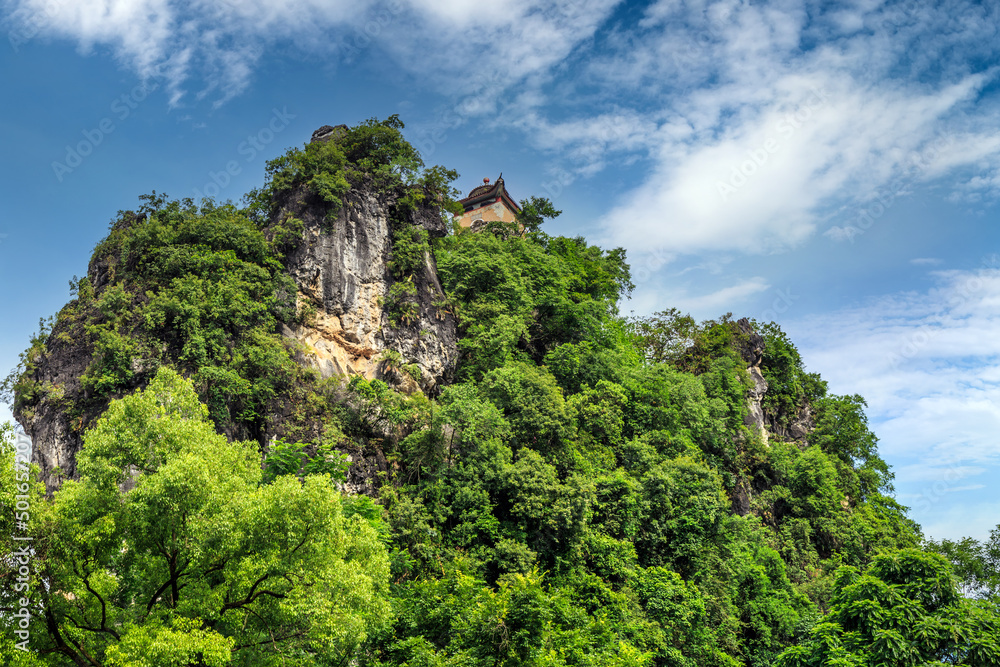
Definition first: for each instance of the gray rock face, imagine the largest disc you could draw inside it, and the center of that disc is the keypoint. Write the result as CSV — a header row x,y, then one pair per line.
x,y
768,425
342,273
799,427
752,351
327,132
755,416
341,269
48,422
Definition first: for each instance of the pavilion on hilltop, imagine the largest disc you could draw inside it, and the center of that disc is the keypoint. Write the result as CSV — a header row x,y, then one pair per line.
x,y
488,203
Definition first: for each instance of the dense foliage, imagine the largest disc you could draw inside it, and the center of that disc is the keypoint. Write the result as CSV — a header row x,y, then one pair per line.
x,y
171,550
195,287
589,491
904,609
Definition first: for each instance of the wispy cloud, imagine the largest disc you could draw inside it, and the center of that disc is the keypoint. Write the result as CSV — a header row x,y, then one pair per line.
x,y
589,142
457,43
217,44
663,294
767,122
982,188
724,298
768,137
762,121
929,365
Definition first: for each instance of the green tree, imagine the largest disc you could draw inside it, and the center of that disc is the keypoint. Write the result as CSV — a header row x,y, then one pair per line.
x,y
976,564
21,502
456,620
586,494
904,610
789,385
533,405
665,336
519,298
684,512
842,431
170,551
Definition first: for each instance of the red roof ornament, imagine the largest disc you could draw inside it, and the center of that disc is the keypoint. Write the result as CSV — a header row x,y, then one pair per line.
x,y
486,180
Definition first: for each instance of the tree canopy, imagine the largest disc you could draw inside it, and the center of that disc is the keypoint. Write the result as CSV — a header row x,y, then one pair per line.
x,y
170,550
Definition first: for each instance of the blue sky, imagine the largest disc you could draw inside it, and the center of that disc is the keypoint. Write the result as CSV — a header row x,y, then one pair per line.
x,y
832,166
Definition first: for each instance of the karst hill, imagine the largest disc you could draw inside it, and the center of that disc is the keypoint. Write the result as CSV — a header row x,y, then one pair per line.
x,y
361,419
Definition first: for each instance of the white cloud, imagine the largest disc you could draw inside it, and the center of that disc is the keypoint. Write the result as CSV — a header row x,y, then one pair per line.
x,y
928,364
981,188
464,44
723,299
459,41
747,156
589,141
135,28
699,87
659,296
219,42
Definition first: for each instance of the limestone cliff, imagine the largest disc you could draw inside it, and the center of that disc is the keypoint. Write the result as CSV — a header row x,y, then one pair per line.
x,y
752,351
55,432
342,271
758,418
340,265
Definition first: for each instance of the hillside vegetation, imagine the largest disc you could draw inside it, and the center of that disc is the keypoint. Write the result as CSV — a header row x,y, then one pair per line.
x,y
586,489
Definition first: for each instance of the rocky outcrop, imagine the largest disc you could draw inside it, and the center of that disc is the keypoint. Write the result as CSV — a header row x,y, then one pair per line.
x,y
340,264
797,428
55,419
751,348
48,422
341,267
794,428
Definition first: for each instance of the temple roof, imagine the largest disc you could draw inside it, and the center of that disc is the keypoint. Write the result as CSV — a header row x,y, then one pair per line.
x,y
486,193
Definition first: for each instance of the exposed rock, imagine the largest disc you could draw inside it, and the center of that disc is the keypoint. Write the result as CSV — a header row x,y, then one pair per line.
x,y
750,343
328,132
363,470
56,421
341,269
751,347
50,425
798,428
741,497
755,415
